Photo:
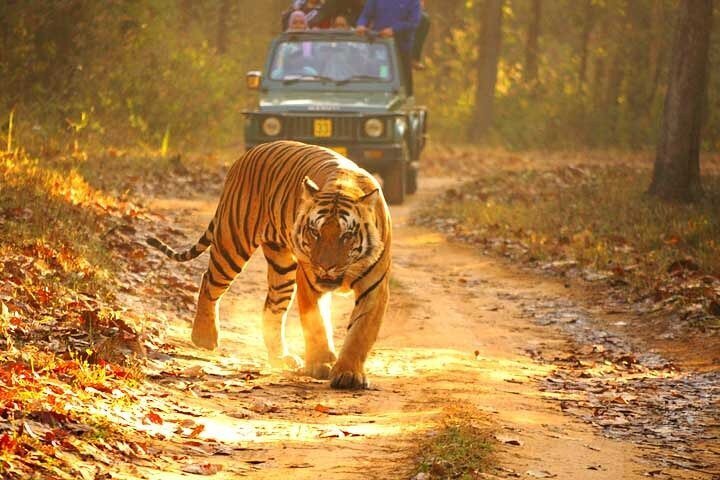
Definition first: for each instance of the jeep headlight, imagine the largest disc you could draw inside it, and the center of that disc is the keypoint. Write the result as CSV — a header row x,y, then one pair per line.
x,y
374,127
271,126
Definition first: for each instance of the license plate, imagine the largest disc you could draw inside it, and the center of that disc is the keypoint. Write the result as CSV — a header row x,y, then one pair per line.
x,y
341,150
322,127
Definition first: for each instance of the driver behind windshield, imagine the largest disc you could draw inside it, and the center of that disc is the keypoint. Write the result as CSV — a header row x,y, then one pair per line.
x,y
340,60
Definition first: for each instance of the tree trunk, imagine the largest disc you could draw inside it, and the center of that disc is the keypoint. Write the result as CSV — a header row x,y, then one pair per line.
x,y
656,56
223,13
676,175
588,22
487,68
638,78
615,74
186,14
531,45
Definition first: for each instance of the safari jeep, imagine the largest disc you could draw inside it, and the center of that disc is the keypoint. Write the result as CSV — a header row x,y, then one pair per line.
x,y
345,92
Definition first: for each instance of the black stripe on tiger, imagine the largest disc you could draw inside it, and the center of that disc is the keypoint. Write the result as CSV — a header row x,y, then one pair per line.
x,y
281,270
195,251
370,289
283,286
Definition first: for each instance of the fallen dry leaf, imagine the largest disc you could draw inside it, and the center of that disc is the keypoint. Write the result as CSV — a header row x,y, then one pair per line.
x,y
540,474
264,406
153,417
196,431
202,468
194,371
324,409
508,440
338,433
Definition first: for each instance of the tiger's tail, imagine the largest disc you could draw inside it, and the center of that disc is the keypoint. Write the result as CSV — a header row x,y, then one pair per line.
x,y
193,252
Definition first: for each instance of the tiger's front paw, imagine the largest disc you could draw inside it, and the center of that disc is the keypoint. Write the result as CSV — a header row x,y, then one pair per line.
x,y
319,365
287,361
205,337
321,371
348,379
205,329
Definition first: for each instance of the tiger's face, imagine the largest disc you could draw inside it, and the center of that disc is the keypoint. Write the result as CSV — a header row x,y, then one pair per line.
x,y
333,233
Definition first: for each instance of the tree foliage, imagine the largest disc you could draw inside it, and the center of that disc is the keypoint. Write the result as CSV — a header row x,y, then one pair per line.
x,y
129,71
602,71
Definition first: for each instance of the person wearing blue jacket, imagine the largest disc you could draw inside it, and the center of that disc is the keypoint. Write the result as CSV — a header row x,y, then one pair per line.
x,y
394,18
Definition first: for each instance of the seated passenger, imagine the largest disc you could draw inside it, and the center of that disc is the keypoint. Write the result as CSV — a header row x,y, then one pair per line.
x,y
341,23
350,9
297,22
311,9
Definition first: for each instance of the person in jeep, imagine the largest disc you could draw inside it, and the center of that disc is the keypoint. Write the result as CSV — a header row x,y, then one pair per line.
x,y
297,22
350,10
394,18
340,22
311,9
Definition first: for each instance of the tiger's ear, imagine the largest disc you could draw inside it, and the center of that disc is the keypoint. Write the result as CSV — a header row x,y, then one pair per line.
x,y
370,198
310,188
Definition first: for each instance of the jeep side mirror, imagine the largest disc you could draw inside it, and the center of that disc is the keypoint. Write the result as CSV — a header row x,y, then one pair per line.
x,y
252,79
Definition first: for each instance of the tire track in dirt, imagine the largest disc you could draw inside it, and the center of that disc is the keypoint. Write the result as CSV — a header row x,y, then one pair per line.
x,y
447,303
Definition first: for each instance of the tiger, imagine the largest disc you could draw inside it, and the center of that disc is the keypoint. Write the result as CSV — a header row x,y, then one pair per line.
x,y
323,226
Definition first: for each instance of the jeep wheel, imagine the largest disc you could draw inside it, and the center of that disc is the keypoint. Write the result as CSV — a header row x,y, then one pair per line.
x,y
411,181
394,178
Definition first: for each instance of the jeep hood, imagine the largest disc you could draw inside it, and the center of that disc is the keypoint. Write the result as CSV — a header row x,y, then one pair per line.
x,y
308,101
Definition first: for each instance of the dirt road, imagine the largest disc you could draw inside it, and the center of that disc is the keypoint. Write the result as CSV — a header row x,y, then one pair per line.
x,y
456,334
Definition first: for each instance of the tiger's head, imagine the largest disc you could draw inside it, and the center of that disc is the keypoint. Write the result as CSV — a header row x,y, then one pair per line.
x,y
336,232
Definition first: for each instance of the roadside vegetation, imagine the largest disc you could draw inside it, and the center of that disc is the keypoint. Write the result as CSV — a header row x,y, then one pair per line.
x,y
71,385
67,348
459,448
578,218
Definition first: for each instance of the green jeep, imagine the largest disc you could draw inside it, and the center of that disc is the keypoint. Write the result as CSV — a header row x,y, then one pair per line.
x,y
345,92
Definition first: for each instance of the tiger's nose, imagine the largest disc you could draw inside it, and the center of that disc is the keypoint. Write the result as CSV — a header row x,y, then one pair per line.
x,y
332,282
327,275
323,271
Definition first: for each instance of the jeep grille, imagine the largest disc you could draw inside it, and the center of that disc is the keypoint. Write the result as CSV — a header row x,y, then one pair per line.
x,y
343,128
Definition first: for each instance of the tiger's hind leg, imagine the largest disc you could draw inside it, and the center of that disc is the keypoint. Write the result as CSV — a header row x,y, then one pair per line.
x,y
281,290
222,270
317,328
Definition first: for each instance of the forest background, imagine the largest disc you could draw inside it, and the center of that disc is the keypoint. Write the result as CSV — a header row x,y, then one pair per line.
x,y
170,74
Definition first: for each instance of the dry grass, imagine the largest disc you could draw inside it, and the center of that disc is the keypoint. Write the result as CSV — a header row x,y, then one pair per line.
x,y
459,449
598,216
558,208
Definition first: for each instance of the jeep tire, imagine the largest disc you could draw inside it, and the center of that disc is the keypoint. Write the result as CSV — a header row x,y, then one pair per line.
x,y
411,180
394,181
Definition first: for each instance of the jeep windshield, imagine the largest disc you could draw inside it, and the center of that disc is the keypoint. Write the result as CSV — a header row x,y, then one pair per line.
x,y
340,62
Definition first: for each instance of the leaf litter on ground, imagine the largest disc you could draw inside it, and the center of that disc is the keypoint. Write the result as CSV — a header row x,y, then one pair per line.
x,y
73,398
605,380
